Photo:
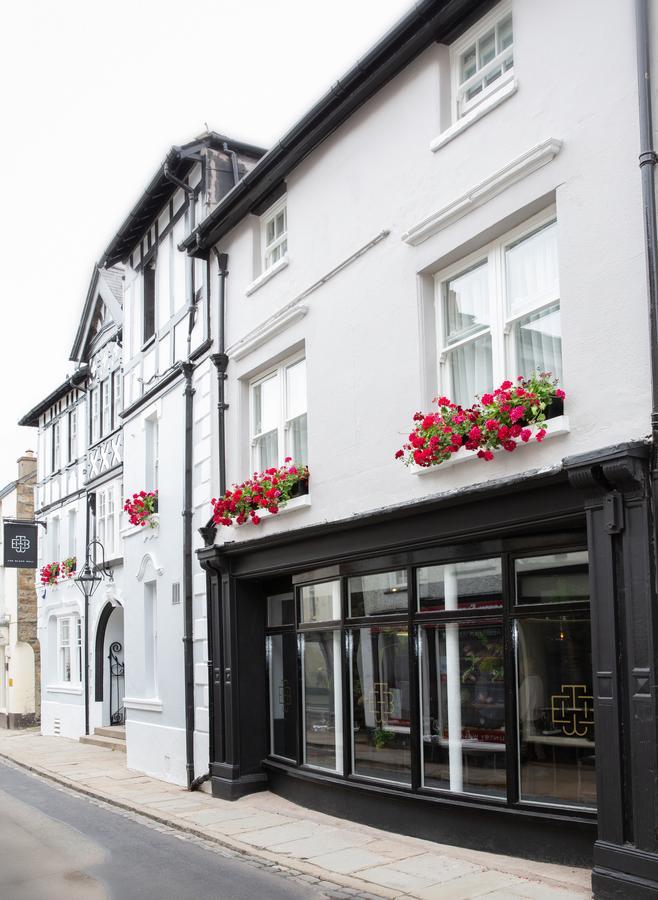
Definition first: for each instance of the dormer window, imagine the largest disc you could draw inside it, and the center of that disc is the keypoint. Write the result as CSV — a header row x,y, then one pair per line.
x,y
275,234
482,60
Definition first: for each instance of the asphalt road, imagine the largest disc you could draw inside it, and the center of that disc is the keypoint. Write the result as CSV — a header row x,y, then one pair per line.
x,y
56,845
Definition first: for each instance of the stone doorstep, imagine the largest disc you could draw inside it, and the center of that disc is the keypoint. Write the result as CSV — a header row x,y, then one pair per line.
x,y
239,843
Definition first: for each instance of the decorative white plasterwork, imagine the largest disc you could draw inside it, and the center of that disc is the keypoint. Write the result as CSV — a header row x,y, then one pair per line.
x,y
146,559
495,184
153,704
273,326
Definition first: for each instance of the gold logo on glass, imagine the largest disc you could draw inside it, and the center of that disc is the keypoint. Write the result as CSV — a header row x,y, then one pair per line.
x,y
573,709
380,701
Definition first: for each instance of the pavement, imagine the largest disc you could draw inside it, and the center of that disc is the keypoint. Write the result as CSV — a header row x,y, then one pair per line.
x,y
322,850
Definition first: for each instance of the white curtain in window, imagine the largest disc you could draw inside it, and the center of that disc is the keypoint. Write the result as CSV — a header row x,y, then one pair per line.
x,y
532,270
539,342
471,370
467,302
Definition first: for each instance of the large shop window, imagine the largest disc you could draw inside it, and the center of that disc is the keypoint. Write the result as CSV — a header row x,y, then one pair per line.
x,y
469,677
498,312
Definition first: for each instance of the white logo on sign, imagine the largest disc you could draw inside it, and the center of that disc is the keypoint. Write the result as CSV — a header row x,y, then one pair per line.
x,y
20,544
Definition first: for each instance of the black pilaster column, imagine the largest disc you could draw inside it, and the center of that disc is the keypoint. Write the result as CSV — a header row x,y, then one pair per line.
x,y
238,683
619,505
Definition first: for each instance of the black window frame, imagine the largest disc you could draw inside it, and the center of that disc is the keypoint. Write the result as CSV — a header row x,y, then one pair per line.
x,y
148,302
507,549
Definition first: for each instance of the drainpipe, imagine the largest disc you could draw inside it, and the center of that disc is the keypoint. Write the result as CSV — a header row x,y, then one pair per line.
x,y
220,361
187,368
648,160
91,502
234,163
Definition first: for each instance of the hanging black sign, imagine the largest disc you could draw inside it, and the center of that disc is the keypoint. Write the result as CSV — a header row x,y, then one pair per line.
x,y
20,545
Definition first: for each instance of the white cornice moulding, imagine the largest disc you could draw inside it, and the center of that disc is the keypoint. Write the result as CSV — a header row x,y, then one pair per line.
x,y
495,184
273,326
152,705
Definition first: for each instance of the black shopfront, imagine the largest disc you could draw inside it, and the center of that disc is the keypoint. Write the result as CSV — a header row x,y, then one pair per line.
x,y
476,669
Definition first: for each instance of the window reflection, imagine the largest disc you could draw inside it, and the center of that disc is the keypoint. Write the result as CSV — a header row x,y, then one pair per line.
x,y
381,714
376,595
283,694
323,720
320,602
465,585
555,578
463,708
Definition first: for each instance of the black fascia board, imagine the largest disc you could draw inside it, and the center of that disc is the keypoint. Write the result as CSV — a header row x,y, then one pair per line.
x,y
429,21
160,190
31,419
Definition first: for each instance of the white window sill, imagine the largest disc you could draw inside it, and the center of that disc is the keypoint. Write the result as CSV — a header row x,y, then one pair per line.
x,y
266,275
554,428
64,688
296,503
507,89
152,704
145,530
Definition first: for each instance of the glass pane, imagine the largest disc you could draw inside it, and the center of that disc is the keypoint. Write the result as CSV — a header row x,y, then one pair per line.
x,y
487,48
465,585
297,440
266,404
538,341
467,302
463,708
283,694
556,713
469,65
471,370
531,268
266,450
296,389
281,610
376,595
269,228
492,76
558,578
320,602
381,713
505,34
323,724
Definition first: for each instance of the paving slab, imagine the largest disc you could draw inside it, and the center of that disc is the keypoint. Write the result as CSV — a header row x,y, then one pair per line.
x,y
437,867
349,860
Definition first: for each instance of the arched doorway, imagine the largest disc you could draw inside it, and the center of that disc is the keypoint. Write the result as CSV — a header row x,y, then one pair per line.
x,y
109,678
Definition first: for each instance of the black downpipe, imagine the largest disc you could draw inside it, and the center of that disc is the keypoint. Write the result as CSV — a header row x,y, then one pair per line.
x,y
187,368
188,649
91,503
220,361
648,160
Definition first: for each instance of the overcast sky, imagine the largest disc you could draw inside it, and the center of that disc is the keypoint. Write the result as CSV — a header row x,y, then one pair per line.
x,y
93,94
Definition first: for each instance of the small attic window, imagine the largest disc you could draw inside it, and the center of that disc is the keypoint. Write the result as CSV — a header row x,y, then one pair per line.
x,y
274,235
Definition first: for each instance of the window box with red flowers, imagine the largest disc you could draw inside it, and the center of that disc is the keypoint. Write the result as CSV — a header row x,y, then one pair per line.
x,y
67,567
263,495
49,574
514,415
142,509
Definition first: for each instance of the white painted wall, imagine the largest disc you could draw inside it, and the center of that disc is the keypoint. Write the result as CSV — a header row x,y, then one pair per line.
x,y
369,358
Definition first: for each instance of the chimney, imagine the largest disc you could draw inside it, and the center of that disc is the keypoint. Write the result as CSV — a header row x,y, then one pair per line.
x,y
27,464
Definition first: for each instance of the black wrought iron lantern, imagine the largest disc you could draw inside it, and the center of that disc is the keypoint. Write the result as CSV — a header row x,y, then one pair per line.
x,y
90,574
